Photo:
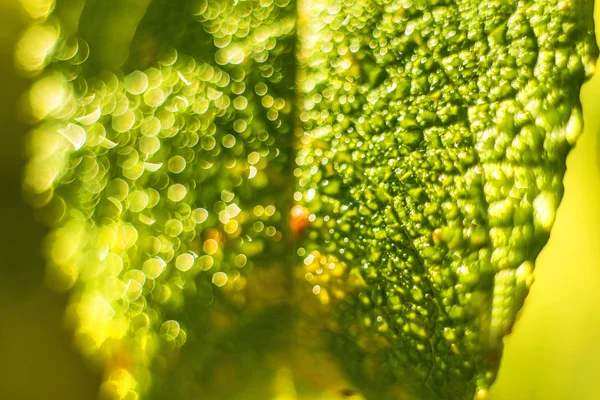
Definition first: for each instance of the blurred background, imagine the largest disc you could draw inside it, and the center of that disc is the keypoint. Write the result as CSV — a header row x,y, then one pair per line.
x,y
38,359
553,352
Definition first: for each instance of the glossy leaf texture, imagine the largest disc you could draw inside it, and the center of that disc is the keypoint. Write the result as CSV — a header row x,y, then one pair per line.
x,y
235,185
432,160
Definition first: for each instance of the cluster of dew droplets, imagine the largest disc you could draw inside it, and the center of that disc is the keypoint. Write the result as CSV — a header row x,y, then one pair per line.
x,y
160,184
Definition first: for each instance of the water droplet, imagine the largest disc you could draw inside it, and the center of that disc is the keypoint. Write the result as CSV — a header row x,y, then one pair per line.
x,y
169,330
219,279
153,267
177,192
184,262
176,164
136,82
75,134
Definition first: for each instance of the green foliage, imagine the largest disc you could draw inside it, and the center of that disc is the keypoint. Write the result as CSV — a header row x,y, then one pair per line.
x,y
435,139
427,140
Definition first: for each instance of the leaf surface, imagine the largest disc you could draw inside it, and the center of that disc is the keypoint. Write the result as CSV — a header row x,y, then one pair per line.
x,y
423,141
433,156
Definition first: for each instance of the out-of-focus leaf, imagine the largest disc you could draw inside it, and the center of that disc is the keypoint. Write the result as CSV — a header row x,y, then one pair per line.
x,y
162,157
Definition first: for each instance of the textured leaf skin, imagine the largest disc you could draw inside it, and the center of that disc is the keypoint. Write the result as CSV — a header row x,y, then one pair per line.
x,y
436,134
429,160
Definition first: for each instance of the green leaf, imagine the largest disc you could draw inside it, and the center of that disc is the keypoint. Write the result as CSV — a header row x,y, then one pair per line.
x,y
423,141
448,171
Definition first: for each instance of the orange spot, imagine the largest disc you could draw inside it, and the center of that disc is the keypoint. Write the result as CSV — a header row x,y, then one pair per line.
x,y
298,220
120,360
214,234
437,236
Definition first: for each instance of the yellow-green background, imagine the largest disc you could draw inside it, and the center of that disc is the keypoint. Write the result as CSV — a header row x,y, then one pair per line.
x,y
553,353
